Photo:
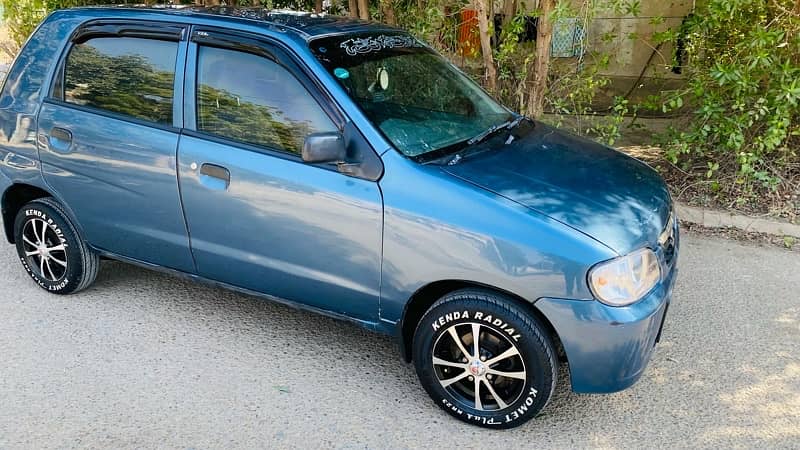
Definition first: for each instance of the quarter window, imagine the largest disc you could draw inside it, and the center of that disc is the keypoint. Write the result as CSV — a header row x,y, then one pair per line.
x,y
252,99
130,76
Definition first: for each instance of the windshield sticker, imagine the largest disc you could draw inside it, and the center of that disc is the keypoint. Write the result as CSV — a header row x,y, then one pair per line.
x,y
341,73
355,46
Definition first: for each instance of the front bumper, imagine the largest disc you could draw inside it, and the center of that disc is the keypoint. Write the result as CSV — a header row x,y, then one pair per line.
x,y
609,347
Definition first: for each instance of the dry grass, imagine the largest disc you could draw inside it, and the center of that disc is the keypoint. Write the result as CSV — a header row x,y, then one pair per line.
x,y
690,185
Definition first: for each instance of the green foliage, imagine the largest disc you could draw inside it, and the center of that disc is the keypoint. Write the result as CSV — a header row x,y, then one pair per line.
x,y
22,16
743,76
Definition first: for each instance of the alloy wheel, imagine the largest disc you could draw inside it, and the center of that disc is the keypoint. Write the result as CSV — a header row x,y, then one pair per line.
x,y
44,250
479,366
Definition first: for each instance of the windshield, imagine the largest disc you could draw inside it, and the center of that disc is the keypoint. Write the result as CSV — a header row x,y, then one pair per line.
x,y
420,102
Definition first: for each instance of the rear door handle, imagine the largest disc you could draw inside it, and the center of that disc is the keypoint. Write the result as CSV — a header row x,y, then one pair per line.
x,y
214,176
60,139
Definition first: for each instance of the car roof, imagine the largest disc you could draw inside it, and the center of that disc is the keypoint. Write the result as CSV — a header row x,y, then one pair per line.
x,y
305,24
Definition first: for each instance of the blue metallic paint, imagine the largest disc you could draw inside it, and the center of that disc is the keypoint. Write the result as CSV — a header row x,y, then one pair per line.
x,y
605,194
120,179
446,229
289,229
608,347
358,249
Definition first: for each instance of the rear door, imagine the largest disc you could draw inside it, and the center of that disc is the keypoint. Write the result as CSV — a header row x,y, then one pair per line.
x,y
108,135
259,217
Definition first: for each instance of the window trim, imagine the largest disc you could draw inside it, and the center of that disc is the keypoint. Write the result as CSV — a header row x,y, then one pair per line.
x,y
126,29
262,47
143,29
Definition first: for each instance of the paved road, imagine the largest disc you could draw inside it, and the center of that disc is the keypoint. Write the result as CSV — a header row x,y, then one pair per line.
x,y
146,360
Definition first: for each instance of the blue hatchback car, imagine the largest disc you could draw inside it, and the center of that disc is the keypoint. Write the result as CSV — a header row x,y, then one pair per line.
x,y
343,167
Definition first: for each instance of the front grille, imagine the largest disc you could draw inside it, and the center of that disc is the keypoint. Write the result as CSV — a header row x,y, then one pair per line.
x,y
667,239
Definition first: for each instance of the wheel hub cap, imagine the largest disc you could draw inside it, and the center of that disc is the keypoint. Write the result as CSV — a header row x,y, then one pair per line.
x,y
477,368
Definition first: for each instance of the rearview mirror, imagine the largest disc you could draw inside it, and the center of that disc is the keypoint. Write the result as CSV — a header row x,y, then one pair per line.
x,y
324,147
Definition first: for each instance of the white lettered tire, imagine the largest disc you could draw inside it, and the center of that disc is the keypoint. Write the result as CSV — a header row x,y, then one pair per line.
x,y
513,370
51,250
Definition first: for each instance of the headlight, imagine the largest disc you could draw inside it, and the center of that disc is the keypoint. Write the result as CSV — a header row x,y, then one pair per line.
x,y
624,280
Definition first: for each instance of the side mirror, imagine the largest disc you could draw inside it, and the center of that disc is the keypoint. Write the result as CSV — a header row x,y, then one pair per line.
x,y
324,147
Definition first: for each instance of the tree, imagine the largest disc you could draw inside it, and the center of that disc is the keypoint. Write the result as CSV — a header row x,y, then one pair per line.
x,y
541,66
387,11
490,72
509,10
363,9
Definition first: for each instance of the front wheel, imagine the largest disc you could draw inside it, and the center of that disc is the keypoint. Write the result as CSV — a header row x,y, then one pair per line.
x,y
50,249
484,360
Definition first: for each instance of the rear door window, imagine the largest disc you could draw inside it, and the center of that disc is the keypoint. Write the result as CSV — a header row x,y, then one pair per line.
x,y
123,75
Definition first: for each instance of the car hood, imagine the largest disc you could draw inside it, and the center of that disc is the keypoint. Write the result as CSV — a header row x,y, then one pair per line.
x,y
599,191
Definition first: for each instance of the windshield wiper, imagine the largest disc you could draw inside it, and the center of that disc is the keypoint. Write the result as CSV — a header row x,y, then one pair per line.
x,y
508,124
494,128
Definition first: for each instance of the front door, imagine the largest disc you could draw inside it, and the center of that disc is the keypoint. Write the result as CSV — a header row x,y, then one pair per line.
x,y
108,136
259,218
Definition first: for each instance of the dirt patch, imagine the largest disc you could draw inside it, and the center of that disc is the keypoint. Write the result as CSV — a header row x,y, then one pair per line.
x,y
785,242
691,186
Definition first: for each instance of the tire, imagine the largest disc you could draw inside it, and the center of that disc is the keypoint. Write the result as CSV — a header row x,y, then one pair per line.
x,y
517,342
67,265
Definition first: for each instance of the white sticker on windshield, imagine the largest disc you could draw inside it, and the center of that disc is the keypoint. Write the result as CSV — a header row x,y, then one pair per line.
x,y
355,46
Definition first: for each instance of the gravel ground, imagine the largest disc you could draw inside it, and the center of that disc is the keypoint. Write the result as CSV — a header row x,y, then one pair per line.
x,y
145,360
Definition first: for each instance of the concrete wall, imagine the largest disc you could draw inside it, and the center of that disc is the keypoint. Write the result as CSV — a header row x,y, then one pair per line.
x,y
629,56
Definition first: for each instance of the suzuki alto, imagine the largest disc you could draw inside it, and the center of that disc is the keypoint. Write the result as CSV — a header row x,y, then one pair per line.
x,y
344,167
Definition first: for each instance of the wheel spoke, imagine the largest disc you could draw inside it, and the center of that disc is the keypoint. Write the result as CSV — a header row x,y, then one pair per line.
x,y
496,397
28,241
460,344
450,381
35,252
41,265
478,403
476,337
517,375
56,248
49,269
58,261
442,362
512,351
44,231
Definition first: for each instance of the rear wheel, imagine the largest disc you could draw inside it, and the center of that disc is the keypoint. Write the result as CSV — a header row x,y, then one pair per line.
x,y
484,360
50,249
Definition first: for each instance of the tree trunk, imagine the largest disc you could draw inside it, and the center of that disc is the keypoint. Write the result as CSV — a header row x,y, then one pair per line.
x,y
387,7
317,6
509,10
490,73
352,8
541,67
363,9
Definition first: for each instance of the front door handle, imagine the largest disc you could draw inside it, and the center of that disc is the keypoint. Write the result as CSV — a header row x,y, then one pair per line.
x,y
215,176
60,139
